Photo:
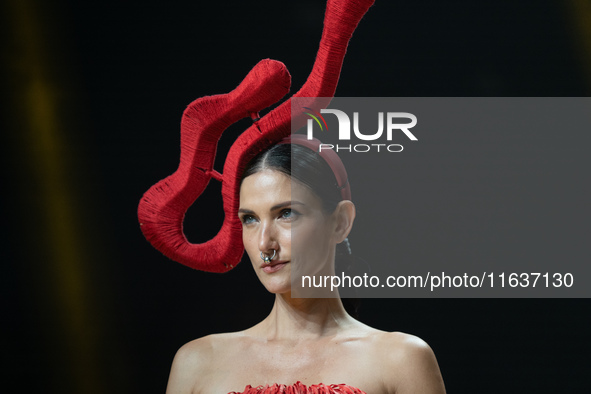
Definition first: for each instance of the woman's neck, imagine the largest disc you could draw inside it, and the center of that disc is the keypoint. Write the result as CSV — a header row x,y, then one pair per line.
x,y
304,318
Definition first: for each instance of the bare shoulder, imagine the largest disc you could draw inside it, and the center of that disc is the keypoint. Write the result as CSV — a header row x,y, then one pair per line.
x,y
195,362
408,364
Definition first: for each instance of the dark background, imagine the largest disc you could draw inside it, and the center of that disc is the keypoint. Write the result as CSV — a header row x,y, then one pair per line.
x,y
93,93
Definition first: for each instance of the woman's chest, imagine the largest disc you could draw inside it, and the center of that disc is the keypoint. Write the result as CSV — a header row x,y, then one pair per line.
x,y
307,363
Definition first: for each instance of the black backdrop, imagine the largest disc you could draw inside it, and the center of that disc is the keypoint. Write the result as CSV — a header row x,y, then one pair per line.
x,y
99,310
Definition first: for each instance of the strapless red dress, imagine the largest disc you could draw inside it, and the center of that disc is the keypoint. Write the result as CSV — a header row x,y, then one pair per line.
x,y
300,388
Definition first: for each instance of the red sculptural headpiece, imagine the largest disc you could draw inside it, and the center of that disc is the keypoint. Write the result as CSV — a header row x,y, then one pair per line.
x,y
163,206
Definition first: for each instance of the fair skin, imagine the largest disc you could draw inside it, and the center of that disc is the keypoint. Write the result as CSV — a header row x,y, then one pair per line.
x,y
303,339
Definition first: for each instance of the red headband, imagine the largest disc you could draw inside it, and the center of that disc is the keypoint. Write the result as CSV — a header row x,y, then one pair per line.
x,y
162,208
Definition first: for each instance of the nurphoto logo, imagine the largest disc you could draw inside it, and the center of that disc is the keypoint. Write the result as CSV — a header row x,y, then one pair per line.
x,y
393,126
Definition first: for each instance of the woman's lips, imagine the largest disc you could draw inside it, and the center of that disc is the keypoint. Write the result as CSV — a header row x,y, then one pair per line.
x,y
274,266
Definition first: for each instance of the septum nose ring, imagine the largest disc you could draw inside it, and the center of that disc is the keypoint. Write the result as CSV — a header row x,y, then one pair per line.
x,y
268,259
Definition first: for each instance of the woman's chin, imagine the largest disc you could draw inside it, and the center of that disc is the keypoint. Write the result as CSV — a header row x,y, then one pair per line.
x,y
277,284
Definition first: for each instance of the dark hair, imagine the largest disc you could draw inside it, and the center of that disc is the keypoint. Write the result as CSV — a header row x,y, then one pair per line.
x,y
304,165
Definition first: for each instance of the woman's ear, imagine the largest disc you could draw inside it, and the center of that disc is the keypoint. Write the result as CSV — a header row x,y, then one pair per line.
x,y
344,216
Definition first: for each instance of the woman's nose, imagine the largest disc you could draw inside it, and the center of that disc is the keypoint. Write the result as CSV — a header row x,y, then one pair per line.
x,y
268,239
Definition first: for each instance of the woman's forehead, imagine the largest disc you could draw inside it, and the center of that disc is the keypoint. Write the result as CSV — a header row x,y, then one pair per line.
x,y
265,179
270,186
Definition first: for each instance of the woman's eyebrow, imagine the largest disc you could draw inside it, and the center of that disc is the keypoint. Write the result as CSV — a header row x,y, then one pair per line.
x,y
274,207
286,204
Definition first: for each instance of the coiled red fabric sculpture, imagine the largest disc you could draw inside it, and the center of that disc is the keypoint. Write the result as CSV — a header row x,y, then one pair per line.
x,y
162,208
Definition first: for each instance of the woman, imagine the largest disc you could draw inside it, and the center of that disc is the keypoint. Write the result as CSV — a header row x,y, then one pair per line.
x,y
304,343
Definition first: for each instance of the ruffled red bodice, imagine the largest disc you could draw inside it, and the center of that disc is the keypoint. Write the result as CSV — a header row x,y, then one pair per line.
x,y
300,388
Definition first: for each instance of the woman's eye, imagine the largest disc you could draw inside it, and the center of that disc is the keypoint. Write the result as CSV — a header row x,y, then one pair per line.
x,y
247,219
288,214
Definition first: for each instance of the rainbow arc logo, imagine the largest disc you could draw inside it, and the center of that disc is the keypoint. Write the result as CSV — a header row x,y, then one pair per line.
x,y
317,117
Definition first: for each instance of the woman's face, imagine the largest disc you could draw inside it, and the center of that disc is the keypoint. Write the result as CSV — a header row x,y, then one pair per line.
x,y
286,217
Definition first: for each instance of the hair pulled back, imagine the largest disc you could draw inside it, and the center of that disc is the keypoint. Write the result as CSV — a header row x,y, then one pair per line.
x,y
303,165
